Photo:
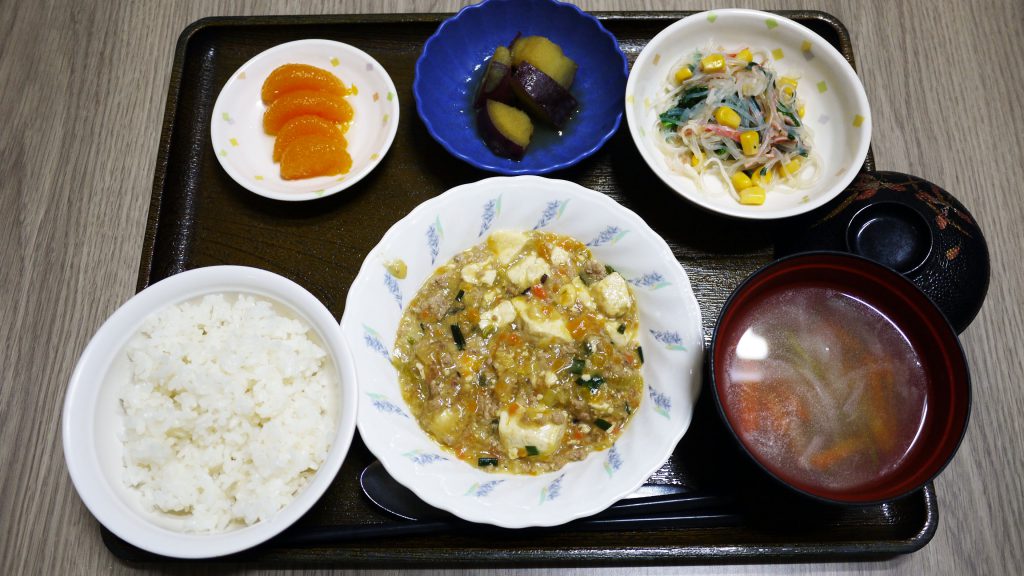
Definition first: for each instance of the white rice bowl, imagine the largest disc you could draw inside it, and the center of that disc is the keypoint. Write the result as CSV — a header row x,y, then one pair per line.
x,y
671,336
151,409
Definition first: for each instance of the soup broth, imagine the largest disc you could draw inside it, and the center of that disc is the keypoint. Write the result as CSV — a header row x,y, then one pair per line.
x,y
824,388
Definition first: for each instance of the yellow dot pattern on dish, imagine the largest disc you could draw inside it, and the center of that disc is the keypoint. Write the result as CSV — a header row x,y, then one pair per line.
x,y
647,103
340,179
822,87
657,58
376,96
806,46
390,96
335,61
354,90
258,178
712,17
771,23
241,75
629,99
385,119
374,156
223,152
318,192
778,54
234,142
857,120
225,117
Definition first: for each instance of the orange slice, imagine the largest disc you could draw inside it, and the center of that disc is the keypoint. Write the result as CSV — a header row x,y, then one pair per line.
x,y
303,126
315,155
302,103
295,77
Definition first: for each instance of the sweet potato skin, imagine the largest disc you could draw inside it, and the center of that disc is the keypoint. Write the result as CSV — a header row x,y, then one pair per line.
x,y
542,95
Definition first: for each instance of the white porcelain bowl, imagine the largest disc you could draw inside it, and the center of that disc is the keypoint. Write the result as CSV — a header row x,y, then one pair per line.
x,y
670,334
245,151
837,107
93,418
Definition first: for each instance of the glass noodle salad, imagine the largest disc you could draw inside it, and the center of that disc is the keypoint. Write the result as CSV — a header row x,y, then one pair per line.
x,y
729,114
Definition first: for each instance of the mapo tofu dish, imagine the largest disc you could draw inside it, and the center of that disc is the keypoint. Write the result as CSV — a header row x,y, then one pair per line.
x,y
520,354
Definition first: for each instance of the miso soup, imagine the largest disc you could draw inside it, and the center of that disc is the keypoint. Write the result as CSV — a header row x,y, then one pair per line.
x,y
825,389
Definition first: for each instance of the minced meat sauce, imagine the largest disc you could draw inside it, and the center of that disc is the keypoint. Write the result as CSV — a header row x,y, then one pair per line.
x,y
520,354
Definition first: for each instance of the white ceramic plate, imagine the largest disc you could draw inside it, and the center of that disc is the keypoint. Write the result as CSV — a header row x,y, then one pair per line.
x,y
837,107
246,152
670,334
93,419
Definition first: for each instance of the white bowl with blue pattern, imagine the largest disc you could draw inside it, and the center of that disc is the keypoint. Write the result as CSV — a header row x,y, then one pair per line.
x,y
670,334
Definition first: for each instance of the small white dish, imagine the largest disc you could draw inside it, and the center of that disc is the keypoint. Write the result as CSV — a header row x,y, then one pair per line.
x,y
671,336
246,152
93,418
838,112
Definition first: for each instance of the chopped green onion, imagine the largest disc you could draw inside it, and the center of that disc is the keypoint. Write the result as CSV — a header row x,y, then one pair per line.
x,y
460,340
608,269
543,278
458,297
602,424
532,451
629,410
621,329
593,383
481,462
482,379
578,364
640,353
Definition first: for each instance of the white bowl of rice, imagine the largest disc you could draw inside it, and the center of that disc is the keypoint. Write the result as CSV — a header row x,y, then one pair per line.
x,y
825,129
210,412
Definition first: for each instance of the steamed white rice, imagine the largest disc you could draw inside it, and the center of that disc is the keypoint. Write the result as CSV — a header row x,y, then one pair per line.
x,y
230,410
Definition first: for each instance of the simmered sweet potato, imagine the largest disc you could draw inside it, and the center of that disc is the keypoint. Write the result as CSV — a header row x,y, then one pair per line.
x,y
545,56
543,96
496,83
505,130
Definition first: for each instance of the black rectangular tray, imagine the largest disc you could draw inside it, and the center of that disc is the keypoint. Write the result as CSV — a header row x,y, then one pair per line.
x,y
200,217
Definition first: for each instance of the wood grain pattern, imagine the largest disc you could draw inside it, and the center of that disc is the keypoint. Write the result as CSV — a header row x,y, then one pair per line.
x,y
83,100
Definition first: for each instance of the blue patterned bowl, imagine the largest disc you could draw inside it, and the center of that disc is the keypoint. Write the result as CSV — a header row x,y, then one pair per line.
x,y
671,337
455,57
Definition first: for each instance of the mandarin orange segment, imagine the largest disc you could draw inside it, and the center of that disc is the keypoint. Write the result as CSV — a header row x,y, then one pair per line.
x,y
302,103
295,77
315,155
304,126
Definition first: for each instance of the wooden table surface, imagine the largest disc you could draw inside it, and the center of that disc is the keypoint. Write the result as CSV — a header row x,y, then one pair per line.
x,y
83,94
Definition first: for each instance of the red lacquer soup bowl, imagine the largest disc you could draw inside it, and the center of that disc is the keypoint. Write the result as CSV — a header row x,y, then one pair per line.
x,y
840,378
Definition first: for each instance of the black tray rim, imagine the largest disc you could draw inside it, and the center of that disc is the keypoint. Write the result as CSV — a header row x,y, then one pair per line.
x,y
441,556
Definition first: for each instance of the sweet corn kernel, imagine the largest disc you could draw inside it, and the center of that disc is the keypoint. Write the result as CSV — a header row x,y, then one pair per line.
x,y
746,55
696,159
787,85
741,181
727,117
790,168
713,63
761,176
683,74
753,195
750,141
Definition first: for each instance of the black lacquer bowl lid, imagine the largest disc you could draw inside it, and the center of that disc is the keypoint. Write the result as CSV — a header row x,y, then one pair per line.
x,y
910,225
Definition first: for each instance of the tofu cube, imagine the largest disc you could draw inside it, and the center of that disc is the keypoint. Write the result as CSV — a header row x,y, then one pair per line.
x,y
506,244
551,324
480,273
527,272
612,294
498,316
515,434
